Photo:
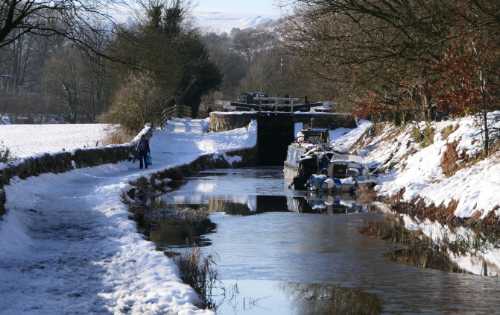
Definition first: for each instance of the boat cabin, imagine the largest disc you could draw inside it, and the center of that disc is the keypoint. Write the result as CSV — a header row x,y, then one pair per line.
x,y
314,136
345,168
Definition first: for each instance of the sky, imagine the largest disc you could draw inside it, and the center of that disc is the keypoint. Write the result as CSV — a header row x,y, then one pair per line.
x,y
268,7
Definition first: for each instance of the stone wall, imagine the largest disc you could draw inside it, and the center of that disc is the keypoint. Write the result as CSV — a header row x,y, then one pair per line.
x,y
2,201
223,121
172,177
326,120
209,161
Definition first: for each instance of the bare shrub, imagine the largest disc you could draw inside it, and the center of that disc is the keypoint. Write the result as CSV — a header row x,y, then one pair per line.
x,y
119,136
139,101
448,130
425,136
5,154
199,272
449,159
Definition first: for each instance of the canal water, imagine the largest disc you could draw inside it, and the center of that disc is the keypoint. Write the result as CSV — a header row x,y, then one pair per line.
x,y
281,252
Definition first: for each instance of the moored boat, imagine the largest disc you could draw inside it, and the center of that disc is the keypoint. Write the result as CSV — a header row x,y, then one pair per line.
x,y
345,174
306,156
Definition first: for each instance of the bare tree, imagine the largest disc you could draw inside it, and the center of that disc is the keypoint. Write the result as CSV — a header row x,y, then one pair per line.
x,y
71,19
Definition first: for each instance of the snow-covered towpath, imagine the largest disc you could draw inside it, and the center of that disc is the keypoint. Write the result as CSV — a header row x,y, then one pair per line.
x,y
67,245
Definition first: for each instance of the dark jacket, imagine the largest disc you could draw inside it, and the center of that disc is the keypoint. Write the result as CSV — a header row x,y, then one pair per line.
x,y
143,146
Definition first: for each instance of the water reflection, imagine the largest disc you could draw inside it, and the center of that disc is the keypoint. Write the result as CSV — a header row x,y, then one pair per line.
x,y
170,231
287,242
251,205
430,244
252,297
322,299
173,226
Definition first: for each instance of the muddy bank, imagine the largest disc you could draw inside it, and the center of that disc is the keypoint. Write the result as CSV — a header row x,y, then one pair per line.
x,y
489,226
414,248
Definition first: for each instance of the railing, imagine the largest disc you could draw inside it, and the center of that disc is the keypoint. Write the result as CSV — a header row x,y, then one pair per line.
x,y
175,111
292,107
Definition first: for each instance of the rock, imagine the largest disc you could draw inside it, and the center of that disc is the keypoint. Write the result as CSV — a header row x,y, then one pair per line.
x,y
3,200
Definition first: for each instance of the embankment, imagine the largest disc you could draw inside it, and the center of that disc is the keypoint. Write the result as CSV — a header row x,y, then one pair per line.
x,y
434,170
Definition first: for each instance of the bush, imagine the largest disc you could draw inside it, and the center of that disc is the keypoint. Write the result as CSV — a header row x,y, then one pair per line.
x,y
137,102
448,130
5,154
424,137
200,273
119,136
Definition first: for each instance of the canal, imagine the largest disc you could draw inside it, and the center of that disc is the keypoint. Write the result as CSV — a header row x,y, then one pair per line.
x,y
281,252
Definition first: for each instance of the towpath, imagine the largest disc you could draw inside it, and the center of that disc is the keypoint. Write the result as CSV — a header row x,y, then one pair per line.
x,y
67,245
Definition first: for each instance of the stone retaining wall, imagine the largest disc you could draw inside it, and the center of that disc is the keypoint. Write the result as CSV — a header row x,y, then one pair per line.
x,y
209,161
326,120
2,202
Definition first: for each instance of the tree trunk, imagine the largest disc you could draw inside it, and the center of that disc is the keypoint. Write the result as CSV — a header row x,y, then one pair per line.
x,y
486,132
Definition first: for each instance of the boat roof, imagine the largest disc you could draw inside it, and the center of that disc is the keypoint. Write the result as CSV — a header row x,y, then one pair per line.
x,y
346,158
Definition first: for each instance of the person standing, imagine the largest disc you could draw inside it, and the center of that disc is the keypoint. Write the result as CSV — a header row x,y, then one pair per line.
x,y
143,151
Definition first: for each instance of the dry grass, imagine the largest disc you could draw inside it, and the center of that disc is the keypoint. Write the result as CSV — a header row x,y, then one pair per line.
x,y
377,130
449,160
118,136
425,136
200,273
453,161
447,131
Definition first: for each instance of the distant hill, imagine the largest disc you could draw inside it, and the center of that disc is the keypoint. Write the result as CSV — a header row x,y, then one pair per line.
x,y
220,22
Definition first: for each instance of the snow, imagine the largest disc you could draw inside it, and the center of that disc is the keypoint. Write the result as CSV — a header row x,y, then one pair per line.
x,y
193,142
220,22
343,139
418,170
232,113
232,159
187,125
67,244
27,140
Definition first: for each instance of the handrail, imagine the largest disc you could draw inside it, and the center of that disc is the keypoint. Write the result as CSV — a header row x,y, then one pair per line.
x,y
174,111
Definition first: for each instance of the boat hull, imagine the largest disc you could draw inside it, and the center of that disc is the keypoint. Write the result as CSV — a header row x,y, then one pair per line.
x,y
290,172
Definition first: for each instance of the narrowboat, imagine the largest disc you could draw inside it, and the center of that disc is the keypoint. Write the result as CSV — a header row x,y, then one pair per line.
x,y
309,154
345,174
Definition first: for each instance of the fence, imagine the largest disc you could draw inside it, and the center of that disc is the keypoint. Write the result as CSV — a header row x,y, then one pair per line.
x,y
175,111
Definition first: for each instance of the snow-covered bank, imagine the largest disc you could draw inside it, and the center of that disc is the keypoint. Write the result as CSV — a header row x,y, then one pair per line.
x,y
418,169
27,140
67,244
